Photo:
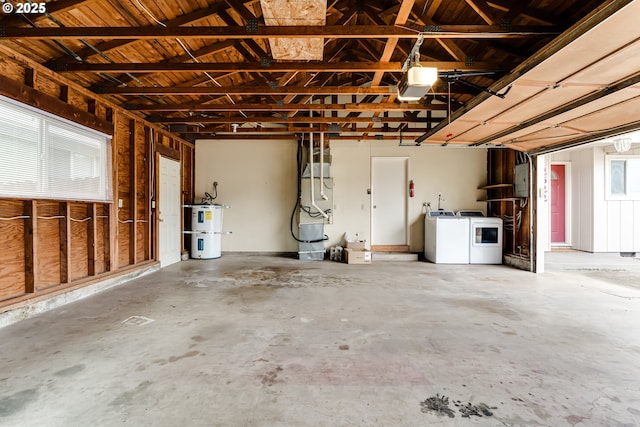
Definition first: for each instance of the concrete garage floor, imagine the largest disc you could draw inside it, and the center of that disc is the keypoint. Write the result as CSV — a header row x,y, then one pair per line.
x,y
267,341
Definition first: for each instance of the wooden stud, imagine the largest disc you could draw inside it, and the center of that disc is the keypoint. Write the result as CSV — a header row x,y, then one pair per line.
x,y
92,238
31,246
113,208
65,242
133,203
156,222
106,239
148,252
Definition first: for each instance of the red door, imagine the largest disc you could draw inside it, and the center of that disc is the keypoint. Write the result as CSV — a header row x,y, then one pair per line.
x,y
557,204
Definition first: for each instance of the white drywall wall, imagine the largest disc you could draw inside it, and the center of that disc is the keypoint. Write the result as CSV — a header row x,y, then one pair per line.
x,y
258,178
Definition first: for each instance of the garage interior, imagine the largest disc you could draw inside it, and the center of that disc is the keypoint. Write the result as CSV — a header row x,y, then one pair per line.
x,y
307,123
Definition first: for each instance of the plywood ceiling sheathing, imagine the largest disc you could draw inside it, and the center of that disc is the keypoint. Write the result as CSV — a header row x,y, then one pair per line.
x,y
295,12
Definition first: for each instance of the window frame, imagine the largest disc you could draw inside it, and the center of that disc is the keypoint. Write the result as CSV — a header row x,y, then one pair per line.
x,y
87,140
628,159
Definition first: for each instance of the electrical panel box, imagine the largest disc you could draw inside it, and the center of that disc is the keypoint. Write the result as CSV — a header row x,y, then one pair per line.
x,y
521,180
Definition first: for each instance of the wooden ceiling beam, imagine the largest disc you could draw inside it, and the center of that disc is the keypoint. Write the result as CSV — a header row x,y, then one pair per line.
x,y
187,18
244,132
259,67
515,11
450,46
535,15
242,10
401,18
248,90
265,32
482,8
204,51
348,16
251,44
373,16
359,106
52,7
433,8
271,119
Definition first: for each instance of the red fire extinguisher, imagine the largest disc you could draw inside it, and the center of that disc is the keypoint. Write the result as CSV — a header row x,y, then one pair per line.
x,y
411,188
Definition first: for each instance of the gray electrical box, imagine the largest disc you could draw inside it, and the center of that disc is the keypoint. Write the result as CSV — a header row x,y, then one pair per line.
x,y
521,180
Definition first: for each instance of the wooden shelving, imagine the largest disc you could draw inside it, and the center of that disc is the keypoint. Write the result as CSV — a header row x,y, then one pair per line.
x,y
492,186
498,193
501,199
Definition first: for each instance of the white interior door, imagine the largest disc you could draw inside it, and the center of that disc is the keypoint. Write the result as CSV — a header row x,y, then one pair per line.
x,y
389,188
170,207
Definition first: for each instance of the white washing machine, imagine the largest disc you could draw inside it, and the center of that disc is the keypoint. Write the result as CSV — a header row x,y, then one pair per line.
x,y
446,238
485,240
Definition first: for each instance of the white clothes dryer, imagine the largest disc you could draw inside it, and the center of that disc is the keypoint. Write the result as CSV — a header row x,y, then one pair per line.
x,y
485,246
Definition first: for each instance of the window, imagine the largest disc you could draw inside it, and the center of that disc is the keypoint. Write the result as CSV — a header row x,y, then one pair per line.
x,y
623,177
46,157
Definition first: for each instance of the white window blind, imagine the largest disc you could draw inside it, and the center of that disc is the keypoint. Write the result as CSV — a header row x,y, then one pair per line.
x,y
46,157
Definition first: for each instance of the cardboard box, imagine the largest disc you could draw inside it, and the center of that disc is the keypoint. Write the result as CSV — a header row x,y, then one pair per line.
x,y
359,245
354,256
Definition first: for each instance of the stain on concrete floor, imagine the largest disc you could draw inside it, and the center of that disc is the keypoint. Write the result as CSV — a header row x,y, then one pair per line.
x,y
17,402
555,343
70,371
129,397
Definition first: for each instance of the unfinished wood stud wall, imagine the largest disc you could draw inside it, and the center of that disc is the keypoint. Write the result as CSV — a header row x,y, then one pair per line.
x,y
501,170
51,245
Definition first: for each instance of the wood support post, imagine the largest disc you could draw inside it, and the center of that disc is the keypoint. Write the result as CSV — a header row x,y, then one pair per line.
x,y
133,200
92,238
148,158
65,242
31,246
112,238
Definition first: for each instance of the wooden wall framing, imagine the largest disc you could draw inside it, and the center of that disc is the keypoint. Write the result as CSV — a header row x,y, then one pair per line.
x,y
502,203
47,246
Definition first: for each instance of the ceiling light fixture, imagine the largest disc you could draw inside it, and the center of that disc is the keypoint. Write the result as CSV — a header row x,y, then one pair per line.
x,y
622,145
416,80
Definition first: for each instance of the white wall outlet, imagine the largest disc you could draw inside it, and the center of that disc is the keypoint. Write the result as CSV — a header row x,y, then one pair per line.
x,y
120,203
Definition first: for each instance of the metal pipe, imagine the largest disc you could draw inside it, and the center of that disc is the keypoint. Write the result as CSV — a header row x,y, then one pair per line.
x,y
311,183
324,196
